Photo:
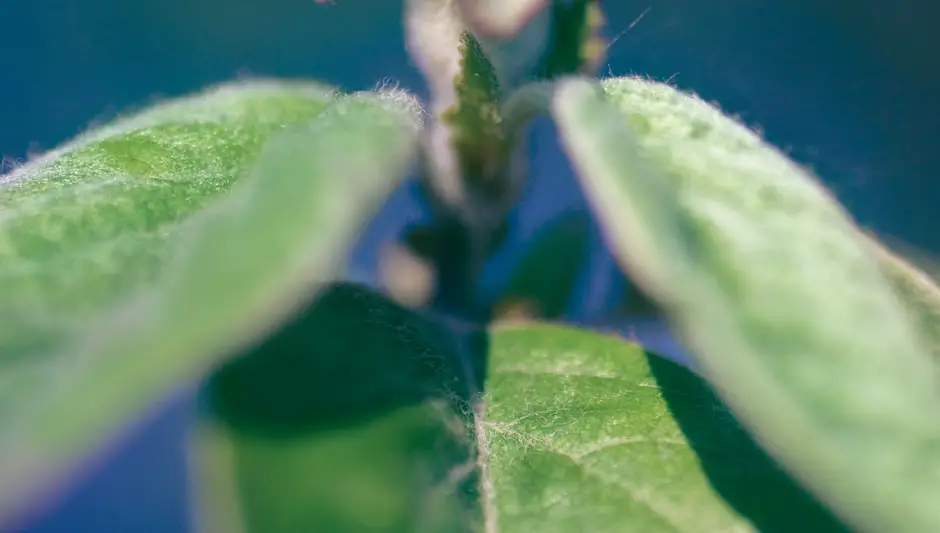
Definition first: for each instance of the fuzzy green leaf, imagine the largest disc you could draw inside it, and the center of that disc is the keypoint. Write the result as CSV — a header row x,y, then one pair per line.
x,y
914,276
359,418
131,262
773,289
474,170
85,224
587,432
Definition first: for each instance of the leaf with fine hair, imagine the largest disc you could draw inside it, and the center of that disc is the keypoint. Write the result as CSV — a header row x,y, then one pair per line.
x,y
474,170
131,265
364,417
914,275
773,288
588,432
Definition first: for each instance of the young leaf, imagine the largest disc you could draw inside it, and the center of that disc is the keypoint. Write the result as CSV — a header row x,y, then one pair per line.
x,y
126,280
472,55
773,288
475,169
500,17
358,417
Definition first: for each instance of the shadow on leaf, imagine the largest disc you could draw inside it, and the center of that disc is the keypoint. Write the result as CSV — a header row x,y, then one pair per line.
x,y
739,470
354,417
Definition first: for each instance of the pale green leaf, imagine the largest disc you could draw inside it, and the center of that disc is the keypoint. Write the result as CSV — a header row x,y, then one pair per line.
x,y
88,222
913,274
127,280
773,289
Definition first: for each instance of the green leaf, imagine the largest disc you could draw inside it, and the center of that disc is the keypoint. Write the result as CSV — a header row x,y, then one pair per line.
x,y
587,432
357,418
773,290
129,290
914,275
466,140
542,284
87,223
351,419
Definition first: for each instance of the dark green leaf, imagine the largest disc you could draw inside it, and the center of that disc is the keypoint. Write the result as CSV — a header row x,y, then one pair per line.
x,y
352,419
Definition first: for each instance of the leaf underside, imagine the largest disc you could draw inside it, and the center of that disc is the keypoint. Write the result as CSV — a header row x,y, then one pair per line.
x,y
914,277
774,291
134,261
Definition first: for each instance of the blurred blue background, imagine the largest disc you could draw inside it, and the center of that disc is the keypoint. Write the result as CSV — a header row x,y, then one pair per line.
x,y
846,87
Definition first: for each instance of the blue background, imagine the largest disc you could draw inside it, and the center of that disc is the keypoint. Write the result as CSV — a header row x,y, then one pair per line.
x,y
848,88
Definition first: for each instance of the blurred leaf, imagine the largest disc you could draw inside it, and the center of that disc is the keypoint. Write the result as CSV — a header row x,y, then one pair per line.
x,y
501,17
351,419
773,291
926,261
913,274
473,55
90,222
635,302
577,45
528,40
124,279
542,285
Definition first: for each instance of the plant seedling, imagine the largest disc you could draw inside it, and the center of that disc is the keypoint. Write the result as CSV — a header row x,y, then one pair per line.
x,y
204,239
